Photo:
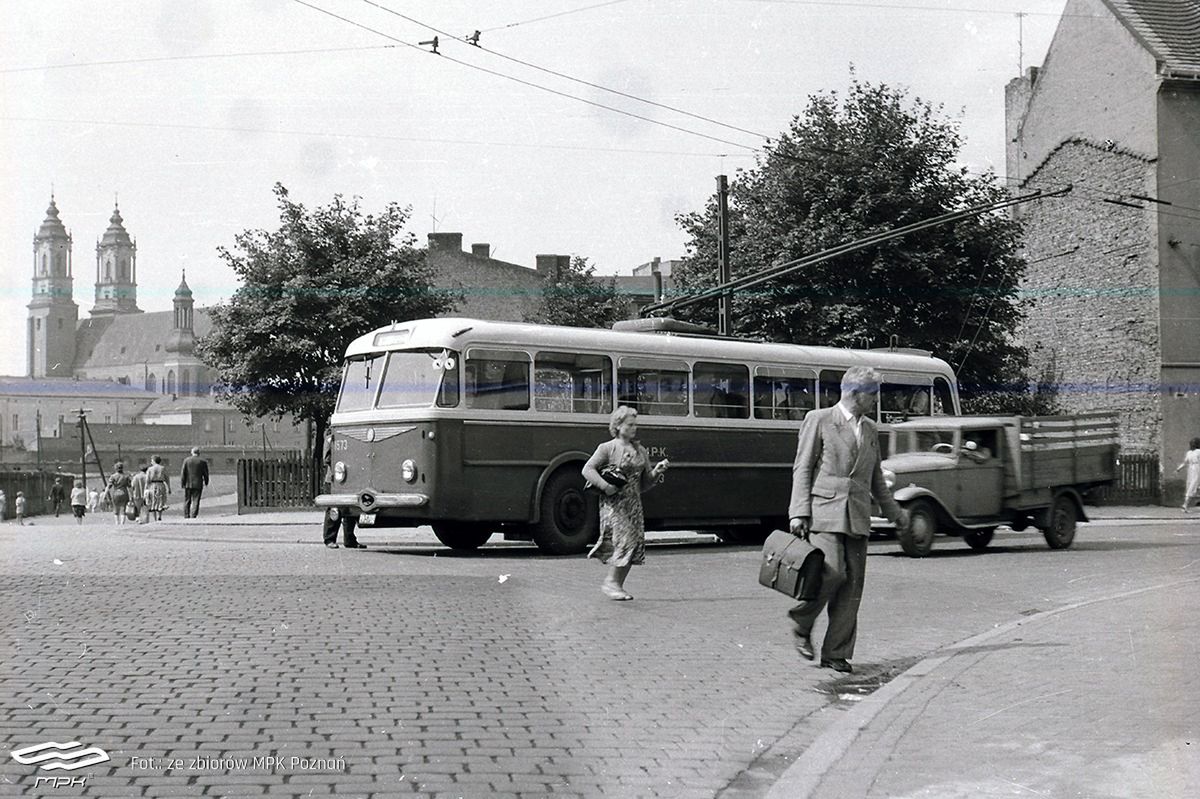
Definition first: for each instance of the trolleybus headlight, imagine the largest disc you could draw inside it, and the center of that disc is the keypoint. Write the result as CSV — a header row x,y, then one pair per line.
x,y
889,478
339,472
408,470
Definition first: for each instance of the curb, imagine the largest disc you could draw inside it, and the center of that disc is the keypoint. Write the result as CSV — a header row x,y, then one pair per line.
x,y
805,775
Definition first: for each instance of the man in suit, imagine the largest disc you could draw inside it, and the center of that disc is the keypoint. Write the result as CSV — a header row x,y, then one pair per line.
x,y
193,478
835,475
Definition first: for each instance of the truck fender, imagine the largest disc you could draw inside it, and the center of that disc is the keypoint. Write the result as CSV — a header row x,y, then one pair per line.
x,y
562,459
1074,496
911,492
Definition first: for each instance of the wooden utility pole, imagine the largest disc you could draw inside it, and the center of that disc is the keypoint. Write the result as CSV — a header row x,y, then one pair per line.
x,y
724,323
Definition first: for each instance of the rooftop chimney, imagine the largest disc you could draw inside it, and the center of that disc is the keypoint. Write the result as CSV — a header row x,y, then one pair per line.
x,y
445,241
481,250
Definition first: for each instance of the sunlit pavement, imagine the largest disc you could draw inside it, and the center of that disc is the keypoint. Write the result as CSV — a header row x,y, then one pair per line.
x,y
224,659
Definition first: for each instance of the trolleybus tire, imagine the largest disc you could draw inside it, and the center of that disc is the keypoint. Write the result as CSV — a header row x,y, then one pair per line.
x,y
1060,525
978,540
569,518
462,535
917,540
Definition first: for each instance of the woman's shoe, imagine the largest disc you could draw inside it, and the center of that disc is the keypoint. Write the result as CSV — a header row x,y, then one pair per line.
x,y
613,592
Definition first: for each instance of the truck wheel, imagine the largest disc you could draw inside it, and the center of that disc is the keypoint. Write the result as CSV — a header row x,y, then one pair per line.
x,y
917,540
462,535
1060,531
569,518
978,540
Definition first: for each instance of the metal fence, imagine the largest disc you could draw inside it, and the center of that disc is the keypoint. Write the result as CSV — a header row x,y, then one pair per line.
x,y
1139,481
265,484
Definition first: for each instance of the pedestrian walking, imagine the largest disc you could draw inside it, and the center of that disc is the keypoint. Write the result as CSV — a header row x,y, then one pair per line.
x,y
158,485
333,518
620,468
118,491
836,473
79,498
93,500
58,495
137,494
3,505
19,507
193,478
1191,491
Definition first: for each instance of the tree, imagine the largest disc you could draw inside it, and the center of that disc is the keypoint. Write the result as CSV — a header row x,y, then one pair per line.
x,y
846,168
323,278
576,297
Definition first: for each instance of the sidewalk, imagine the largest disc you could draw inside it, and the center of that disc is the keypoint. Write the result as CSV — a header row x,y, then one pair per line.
x,y
1096,699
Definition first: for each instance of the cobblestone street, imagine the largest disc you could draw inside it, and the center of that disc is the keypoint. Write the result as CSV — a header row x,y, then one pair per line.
x,y
186,651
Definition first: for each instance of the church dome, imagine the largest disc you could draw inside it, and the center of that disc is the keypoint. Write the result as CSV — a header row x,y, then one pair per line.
x,y
183,292
116,233
52,227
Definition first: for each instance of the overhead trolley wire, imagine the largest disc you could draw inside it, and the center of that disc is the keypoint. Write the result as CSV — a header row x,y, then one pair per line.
x,y
530,84
565,76
553,16
195,57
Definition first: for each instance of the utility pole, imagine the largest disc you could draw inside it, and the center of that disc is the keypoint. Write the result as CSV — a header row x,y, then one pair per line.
x,y
38,422
724,326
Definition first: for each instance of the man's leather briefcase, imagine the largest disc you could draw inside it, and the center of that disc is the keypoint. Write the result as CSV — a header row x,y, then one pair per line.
x,y
791,566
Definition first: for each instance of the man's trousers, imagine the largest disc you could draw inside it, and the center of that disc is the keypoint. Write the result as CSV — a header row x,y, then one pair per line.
x,y
841,592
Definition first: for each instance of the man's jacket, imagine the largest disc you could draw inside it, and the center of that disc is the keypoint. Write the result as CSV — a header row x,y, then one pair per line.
x,y
834,477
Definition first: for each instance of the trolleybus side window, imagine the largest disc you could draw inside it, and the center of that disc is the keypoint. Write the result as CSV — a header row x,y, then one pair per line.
x,y
359,383
572,383
830,388
653,386
497,379
943,398
903,396
783,393
721,390
415,378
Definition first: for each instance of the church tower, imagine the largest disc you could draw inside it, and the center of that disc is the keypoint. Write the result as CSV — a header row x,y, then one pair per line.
x,y
184,370
53,313
116,270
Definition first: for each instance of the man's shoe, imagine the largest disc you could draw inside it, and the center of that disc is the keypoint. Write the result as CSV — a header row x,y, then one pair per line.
x,y
355,545
838,664
804,647
331,544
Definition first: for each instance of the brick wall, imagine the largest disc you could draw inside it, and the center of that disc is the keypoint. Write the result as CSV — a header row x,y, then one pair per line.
x,y
492,289
1093,289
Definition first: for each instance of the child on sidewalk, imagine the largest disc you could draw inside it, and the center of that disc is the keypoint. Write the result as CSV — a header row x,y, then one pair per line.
x,y
79,498
20,507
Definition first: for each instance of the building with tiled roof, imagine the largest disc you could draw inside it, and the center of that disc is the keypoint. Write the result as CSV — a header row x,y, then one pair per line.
x,y
1113,272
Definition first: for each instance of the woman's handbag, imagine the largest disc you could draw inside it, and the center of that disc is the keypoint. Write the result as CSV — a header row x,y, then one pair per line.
x,y
791,566
613,476
131,512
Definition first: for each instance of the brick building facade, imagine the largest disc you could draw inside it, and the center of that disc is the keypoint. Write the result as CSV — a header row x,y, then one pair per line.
x,y
1114,267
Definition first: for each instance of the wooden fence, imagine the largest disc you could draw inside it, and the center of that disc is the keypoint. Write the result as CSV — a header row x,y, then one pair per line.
x,y
36,487
269,484
1139,481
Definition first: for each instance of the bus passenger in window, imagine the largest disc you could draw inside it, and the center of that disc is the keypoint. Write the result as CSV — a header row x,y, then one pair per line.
x,y
626,463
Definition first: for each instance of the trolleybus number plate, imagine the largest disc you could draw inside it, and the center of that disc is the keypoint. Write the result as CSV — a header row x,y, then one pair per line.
x,y
366,519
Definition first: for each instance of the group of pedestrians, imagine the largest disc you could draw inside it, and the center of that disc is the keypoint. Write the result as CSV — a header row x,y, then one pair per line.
x,y
142,496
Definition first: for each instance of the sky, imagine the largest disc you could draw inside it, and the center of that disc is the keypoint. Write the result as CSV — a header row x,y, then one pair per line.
x,y
186,114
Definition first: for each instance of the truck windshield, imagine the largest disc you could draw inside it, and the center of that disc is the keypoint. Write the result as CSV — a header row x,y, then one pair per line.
x,y
940,442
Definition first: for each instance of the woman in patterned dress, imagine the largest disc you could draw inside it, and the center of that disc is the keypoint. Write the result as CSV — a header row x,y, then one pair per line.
x,y
622,527
157,486
1191,460
119,484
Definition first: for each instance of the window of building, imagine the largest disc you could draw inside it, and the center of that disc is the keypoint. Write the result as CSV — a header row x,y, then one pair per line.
x,y
208,425
151,382
16,425
107,419
784,394
231,426
122,350
653,386
123,381
60,323
566,382
721,390
171,382
497,379
185,382
37,324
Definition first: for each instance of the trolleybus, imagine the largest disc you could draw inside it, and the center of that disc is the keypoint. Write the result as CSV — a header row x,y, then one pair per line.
x,y
479,427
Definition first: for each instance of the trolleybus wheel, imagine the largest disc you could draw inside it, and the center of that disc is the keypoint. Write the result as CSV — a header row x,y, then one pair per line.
x,y
569,517
462,535
978,540
1060,529
917,540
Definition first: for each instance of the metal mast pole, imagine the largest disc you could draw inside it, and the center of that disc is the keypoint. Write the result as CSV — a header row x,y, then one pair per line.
x,y
724,276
